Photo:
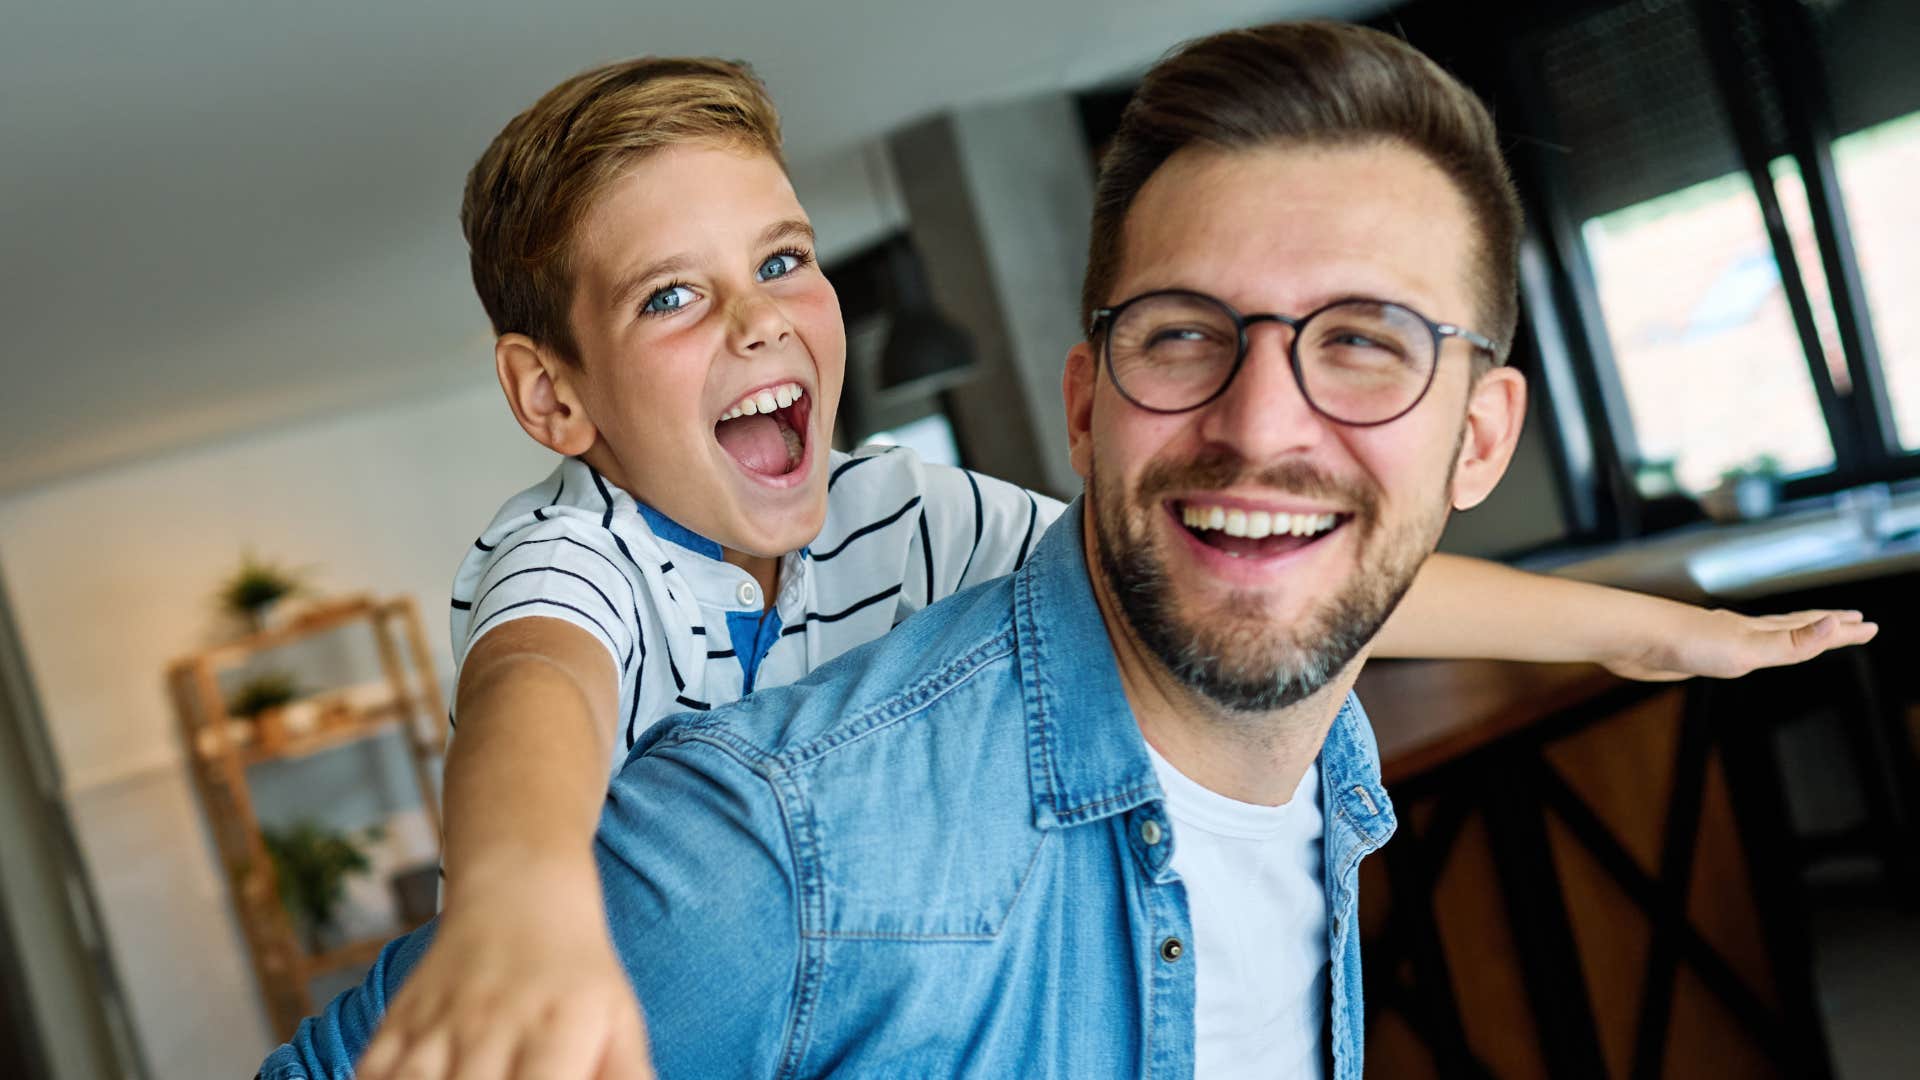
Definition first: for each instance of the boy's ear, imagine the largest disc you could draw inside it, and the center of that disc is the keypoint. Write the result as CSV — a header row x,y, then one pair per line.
x,y
542,389
1496,407
1076,392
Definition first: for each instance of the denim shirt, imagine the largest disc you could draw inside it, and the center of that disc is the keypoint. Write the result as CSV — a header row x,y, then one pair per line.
x,y
928,858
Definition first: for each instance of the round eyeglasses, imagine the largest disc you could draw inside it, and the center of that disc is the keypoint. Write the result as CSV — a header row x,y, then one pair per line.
x,y
1358,362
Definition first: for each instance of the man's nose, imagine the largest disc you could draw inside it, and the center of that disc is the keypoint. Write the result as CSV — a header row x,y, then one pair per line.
x,y
755,322
1263,413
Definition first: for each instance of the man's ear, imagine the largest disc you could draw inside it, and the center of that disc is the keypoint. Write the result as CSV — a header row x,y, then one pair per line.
x,y
1076,390
541,389
1496,408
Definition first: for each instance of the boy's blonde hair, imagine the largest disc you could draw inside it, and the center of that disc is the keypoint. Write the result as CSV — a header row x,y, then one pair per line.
x,y
529,191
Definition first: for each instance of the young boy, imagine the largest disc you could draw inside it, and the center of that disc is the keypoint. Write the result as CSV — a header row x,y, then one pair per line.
x,y
663,326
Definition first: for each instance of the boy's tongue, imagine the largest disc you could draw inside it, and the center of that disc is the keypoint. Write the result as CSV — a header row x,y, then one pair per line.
x,y
760,444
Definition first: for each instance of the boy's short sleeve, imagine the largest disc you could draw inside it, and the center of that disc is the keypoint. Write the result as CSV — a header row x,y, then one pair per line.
x,y
555,571
976,528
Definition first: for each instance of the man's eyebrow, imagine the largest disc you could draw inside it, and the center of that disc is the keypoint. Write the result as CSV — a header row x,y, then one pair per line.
x,y
628,285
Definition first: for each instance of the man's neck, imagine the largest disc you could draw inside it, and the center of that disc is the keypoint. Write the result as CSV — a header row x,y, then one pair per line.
x,y
1252,757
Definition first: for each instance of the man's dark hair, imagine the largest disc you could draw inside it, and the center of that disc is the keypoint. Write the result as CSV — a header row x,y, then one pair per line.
x,y
1310,84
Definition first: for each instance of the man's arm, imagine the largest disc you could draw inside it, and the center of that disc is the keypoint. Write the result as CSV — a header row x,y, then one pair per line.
x,y
699,887
1460,607
702,894
522,979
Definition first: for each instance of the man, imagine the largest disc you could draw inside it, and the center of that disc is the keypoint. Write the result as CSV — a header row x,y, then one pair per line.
x,y
1103,818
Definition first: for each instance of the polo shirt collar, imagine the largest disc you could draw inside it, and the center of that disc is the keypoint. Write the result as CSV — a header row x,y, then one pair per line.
x,y
673,532
700,560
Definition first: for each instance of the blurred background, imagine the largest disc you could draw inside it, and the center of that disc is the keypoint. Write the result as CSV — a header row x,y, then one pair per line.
x,y
248,424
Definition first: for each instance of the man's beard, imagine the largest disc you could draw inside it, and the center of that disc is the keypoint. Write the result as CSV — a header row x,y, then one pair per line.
x,y
1235,656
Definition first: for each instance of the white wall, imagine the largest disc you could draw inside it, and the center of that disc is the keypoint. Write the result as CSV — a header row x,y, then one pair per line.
x,y
851,197
112,576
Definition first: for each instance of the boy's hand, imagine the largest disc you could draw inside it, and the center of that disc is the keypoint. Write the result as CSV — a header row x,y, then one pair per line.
x,y
520,983
1725,644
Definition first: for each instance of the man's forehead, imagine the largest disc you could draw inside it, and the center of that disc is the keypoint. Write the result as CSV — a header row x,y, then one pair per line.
x,y
1298,225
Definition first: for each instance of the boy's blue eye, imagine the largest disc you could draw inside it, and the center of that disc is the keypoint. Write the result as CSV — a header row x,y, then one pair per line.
x,y
671,298
778,266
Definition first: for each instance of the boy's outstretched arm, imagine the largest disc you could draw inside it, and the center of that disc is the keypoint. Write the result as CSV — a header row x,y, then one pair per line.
x,y
1460,607
522,979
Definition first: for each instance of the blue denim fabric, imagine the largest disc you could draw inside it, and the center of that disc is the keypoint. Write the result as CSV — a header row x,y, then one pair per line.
x,y
926,859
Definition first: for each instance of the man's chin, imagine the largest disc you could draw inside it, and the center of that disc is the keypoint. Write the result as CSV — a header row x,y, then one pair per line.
x,y
1245,663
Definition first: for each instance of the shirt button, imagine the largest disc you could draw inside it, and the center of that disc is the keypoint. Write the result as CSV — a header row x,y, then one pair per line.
x,y
748,594
1151,832
1171,949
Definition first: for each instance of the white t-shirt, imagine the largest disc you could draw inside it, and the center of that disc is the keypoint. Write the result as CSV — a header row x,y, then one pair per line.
x,y
688,630
1253,877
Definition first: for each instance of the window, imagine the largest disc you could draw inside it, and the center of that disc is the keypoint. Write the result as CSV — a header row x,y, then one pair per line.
x,y
1877,167
1702,339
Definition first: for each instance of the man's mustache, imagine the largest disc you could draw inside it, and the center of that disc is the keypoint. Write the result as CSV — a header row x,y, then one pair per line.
x,y
1221,467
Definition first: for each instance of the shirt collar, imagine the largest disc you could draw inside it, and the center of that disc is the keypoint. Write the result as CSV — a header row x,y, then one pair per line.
x,y
673,532
1085,755
1086,758
698,560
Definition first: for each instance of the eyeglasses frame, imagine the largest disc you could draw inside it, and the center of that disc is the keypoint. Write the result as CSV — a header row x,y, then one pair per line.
x,y
1439,331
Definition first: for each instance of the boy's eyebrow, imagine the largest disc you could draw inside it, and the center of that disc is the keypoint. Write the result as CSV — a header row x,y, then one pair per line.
x,y
783,230
628,285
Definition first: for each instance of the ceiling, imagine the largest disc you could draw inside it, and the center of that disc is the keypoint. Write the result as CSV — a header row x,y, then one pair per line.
x,y
221,215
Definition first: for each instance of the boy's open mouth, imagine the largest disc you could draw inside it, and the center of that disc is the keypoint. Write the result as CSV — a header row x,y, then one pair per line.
x,y
1253,534
766,430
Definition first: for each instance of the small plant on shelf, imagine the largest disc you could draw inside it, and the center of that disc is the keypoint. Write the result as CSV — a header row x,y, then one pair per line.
x,y
262,692
256,588
311,864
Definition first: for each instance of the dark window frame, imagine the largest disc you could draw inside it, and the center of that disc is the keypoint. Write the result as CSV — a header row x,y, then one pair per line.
x,y
1592,436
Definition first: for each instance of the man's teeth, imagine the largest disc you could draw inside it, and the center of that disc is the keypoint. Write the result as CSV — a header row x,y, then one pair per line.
x,y
777,397
1255,524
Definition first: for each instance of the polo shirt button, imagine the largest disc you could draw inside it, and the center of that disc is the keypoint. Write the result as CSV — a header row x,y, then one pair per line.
x,y
1151,832
748,594
1171,949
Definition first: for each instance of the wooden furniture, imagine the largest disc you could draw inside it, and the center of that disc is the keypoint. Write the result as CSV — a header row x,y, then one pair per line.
x,y
221,748
1590,879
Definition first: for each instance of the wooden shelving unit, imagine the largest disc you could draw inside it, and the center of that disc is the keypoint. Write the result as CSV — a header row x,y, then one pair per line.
x,y
221,749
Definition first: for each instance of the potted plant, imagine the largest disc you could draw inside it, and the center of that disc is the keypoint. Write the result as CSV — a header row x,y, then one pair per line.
x,y
257,588
1747,492
311,864
260,701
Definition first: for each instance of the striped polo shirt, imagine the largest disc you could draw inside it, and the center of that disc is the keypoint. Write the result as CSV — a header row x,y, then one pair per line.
x,y
688,630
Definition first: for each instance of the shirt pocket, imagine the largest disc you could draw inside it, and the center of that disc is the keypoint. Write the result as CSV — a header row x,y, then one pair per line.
x,y
960,852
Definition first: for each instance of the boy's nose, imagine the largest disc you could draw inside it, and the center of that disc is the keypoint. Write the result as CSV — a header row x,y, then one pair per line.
x,y
757,322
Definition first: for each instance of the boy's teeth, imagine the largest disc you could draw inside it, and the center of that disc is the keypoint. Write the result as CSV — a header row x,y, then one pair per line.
x,y
766,401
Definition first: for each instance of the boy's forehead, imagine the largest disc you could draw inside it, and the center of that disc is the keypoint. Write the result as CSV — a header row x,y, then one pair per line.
x,y
679,207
